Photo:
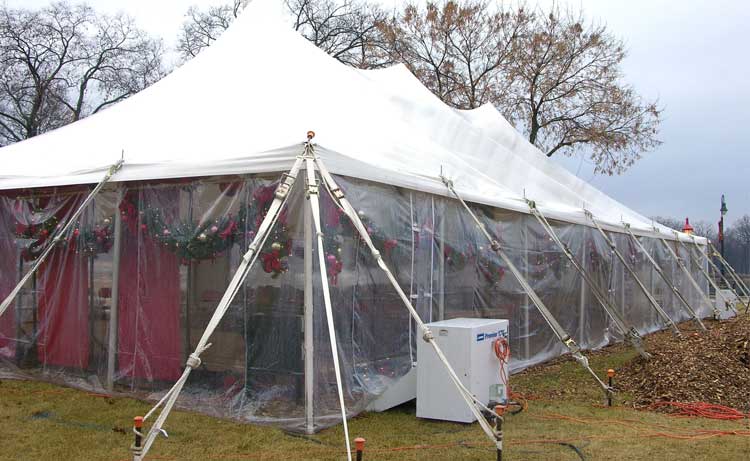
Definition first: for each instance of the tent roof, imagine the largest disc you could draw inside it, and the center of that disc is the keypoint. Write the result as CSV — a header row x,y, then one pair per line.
x,y
245,104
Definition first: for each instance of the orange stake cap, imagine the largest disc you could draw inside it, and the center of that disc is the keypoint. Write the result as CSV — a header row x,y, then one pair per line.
x,y
359,443
499,409
611,373
138,422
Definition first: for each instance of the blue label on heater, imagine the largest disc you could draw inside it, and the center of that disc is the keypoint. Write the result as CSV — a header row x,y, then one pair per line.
x,y
483,336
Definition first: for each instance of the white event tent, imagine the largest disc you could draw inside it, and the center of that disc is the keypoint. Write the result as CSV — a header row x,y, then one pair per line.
x,y
131,285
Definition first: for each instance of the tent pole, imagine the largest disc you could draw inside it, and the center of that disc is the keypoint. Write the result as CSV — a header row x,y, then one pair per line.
x,y
707,276
526,314
558,330
309,344
281,196
582,306
654,303
685,270
476,406
732,273
441,265
21,345
313,198
716,269
113,309
629,333
667,280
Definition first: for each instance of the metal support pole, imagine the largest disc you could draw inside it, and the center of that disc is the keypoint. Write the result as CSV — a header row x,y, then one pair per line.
x,y
114,307
654,303
667,280
526,299
189,288
629,333
731,270
314,204
558,330
736,290
309,328
711,281
582,305
441,264
690,278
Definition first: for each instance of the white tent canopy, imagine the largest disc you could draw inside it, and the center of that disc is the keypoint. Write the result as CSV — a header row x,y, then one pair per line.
x,y
245,104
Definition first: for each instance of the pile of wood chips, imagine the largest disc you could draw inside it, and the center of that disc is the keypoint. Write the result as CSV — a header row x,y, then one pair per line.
x,y
711,366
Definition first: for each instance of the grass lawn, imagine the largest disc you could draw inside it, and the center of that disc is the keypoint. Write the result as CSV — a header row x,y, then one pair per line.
x,y
45,422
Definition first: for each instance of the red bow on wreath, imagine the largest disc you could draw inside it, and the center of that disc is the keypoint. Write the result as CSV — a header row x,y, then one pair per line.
x,y
334,268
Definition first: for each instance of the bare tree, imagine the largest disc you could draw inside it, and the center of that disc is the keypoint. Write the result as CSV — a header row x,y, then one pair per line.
x,y
347,30
569,95
458,49
202,27
62,63
737,244
555,76
705,229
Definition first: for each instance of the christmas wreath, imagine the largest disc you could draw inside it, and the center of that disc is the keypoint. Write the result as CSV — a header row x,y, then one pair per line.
x,y
34,234
208,240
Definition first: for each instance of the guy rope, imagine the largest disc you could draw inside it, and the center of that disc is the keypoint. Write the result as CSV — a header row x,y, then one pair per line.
x,y
685,270
111,171
736,290
737,279
630,333
654,303
311,161
684,302
557,329
719,294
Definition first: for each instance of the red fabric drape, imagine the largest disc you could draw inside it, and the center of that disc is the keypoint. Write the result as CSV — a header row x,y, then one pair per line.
x,y
64,310
8,279
149,340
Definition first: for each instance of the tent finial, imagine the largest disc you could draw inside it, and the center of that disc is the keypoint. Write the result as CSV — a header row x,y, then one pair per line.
x,y
310,135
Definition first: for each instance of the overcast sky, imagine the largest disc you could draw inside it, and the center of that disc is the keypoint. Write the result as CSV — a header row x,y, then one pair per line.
x,y
690,54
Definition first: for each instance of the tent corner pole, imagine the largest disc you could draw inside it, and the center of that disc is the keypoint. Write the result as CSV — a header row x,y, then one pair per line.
x,y
113,310
308,327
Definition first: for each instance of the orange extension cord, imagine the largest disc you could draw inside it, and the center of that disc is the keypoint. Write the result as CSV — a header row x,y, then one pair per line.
x,y
703,410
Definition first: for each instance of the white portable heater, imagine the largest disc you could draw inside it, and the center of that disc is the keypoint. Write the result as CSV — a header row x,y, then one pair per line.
x,y
470,346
